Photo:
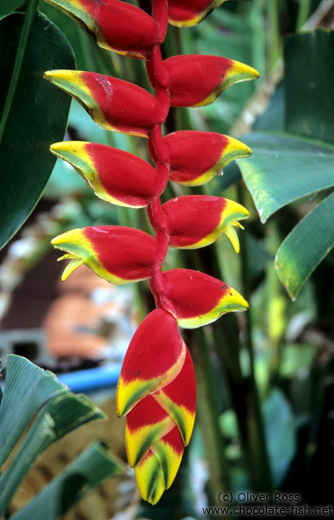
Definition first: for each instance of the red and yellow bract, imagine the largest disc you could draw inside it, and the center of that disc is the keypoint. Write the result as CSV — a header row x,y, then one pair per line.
x,y
196,81
196,157
196,298
213,216
102,20
103,169
156,389
114,104
117,254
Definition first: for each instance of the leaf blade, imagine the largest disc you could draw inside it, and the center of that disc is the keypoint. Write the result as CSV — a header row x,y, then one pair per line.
x,y
306,246
83,475
37,117
283,168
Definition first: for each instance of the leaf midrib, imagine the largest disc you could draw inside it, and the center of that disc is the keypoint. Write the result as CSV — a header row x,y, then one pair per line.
x,y
26,28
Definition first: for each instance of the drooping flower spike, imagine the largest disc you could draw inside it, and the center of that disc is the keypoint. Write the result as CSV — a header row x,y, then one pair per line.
x,y
156,389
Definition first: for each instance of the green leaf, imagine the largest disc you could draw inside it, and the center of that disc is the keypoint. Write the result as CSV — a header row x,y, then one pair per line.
x,y
306,246
39,437
280,432
297,358
33,113
309,95
27,388
86,473
282,169
288,166
60,415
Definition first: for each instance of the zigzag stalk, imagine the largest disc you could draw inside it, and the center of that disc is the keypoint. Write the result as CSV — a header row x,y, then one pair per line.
x,y
158,149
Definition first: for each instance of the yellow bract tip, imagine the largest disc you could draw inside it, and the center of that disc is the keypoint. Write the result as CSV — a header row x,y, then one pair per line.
x,y
232,235
236,301
71,267
240,72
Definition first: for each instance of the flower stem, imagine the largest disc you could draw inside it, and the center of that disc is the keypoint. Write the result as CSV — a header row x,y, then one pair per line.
x,y
208,412
261,477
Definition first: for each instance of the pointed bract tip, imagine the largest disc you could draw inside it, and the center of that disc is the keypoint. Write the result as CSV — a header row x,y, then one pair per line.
x,y
234,145
236,302
56,149
52,75
242,72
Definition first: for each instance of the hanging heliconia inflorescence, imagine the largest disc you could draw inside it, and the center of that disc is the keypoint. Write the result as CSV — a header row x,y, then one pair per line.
x,y
156,389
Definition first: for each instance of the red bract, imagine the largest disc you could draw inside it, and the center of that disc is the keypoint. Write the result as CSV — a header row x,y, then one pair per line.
x,y
102,20
155,336
197,299
157,391
198,220
196,157
197,80
114,104
118,254
185,13
115,176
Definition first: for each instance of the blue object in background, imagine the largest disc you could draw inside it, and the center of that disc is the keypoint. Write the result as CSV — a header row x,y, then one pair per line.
x,y
92,379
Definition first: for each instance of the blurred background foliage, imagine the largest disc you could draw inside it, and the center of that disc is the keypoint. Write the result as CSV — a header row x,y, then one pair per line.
x,y
265,379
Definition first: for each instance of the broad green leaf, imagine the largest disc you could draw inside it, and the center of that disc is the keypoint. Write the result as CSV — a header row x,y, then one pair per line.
x,y
82,476
306,246
282,169
69,411
27,388
33,113
280,432
39,437
309,79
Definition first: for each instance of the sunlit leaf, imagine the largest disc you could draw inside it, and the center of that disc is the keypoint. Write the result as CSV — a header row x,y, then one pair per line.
x,y
282,169
306,246
84,474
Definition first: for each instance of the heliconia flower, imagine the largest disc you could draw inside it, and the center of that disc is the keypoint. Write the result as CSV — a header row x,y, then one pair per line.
x,y
197,298
113,104
118,254
197,80
116,26
115,176
157,391
186,13
196,157
198,220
